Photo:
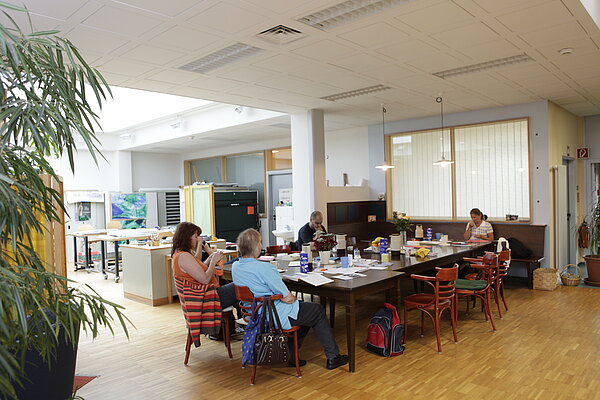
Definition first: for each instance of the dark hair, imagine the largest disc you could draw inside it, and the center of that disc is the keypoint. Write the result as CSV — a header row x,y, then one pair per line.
x,y
315,214
477,211
183,235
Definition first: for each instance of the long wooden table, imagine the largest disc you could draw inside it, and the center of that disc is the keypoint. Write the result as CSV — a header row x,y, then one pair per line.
x,y
348,292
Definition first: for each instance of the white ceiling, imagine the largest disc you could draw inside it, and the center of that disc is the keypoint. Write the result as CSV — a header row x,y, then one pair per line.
x,y
141,43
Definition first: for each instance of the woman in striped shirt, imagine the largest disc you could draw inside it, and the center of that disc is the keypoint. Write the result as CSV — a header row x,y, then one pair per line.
x,y
478,228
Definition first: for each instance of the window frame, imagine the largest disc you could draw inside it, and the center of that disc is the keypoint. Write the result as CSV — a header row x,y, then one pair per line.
x,y
266,167
454,218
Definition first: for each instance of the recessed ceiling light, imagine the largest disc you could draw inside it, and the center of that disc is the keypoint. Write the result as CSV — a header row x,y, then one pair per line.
x,y
565,51
500,62
354,93
220,58
348,11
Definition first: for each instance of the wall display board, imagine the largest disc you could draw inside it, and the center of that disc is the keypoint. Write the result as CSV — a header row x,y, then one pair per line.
x,y
128,205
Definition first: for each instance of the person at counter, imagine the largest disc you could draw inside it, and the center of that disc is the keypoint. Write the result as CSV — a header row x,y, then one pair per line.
x,y
478,228
263,279
189,267
307,232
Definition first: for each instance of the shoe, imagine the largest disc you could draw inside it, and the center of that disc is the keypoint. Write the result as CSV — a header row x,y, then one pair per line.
x,y
292,363
215,337
337,361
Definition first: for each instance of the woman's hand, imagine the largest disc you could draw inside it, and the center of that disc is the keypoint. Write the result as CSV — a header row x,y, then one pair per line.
x,y
290,298
207,248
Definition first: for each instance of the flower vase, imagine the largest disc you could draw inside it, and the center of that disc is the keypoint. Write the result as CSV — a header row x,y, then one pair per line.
x,y
325,255
402,238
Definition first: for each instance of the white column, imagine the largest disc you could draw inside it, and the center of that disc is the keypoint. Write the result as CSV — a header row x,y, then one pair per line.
x,y
308,166
124,171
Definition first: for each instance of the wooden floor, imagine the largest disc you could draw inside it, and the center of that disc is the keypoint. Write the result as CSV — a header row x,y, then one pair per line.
x,y
546,347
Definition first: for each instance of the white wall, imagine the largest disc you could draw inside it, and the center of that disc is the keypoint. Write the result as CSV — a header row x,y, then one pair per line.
x,y
345,153
156,170
89,175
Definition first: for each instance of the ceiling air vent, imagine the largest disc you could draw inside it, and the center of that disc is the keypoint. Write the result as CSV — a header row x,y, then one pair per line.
x,y
357,92
280,34
220,58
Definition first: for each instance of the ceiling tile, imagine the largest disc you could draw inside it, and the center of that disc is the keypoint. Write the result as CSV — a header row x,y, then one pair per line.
x,y
533,18
388,73
246,74
214,83
491,50
122,20
172,76
236,20
360,62
437,62
99,41
128,68
285,63
153,54
467,36
437,18
37,23
115,79
556,33
375,35
408,50
320,90
170,8
61,9
580,47
494,6
323,50
185,38
154,86
579,60
285,83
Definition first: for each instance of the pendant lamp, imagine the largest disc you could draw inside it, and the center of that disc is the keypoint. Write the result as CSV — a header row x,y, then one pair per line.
x,y
442,162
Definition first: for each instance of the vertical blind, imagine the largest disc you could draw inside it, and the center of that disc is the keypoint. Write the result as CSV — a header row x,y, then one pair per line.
x,y
419,188
491,171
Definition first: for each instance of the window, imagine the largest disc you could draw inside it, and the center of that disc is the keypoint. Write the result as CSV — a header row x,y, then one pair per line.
x,y
491,171
206,170
279,159
248,170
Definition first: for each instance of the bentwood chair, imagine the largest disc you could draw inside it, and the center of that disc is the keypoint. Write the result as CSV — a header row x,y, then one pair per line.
x,y
197,302
273,250
246,297
480,288
434,304
498,285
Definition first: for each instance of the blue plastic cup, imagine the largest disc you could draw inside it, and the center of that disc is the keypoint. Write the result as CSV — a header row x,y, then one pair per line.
x,y
344,261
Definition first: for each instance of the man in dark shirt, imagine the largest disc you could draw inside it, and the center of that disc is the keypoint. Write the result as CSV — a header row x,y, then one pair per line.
x,y
307,232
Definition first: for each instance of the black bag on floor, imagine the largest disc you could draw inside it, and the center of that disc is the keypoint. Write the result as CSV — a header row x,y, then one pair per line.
x,y
518,249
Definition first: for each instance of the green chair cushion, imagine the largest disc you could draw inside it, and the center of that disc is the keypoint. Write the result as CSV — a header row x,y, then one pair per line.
x,y
466,284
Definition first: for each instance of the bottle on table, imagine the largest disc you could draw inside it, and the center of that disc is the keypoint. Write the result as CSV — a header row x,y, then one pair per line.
x,y
356,253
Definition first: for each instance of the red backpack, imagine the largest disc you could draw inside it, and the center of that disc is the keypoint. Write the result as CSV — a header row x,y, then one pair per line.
x,y
385,332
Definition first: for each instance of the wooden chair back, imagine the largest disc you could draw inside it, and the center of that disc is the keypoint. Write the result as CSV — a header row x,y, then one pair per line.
x,y
245,296
445,280
272,250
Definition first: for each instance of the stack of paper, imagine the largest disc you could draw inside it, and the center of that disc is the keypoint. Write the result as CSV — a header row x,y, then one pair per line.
x,y
314,279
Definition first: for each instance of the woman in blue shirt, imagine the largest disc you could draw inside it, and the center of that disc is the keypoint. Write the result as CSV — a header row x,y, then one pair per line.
x,y
263,280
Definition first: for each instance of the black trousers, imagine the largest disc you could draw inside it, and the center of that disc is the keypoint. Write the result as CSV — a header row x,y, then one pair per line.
x,y
227,297
312,315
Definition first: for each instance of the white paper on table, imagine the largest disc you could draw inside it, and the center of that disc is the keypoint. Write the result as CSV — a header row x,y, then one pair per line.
x,y
291,277
377,267
362,262
294,264
315,279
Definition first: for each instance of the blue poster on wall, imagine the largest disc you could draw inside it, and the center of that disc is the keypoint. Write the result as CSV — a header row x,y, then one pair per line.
x,y
128,205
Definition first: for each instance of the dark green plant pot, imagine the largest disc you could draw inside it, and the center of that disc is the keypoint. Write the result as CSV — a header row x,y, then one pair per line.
x,y
49,382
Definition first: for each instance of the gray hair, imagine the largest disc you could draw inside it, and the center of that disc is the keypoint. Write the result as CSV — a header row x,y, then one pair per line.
x,y
315,214
248,243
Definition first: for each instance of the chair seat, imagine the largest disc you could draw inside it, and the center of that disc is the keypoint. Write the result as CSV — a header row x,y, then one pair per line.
x,y
422,300
472,277
465,284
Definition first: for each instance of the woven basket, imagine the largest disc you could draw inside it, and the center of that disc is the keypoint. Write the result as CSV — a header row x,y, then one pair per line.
x,y
545,279
569,279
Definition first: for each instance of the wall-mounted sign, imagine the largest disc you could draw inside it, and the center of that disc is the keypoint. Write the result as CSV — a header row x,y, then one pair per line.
x,y
583,152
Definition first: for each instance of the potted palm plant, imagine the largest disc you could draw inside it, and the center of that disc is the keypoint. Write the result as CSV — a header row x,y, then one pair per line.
x,y
592,261
46,90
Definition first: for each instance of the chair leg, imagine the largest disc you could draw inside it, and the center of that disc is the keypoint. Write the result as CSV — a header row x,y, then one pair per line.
x,y
453,322
488,309
227,334
405,324
422,320
502,295
296,355
438,333
188,346
496,295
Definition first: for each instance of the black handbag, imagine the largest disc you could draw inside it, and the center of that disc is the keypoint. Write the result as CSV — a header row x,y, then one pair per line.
x,y
271,346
